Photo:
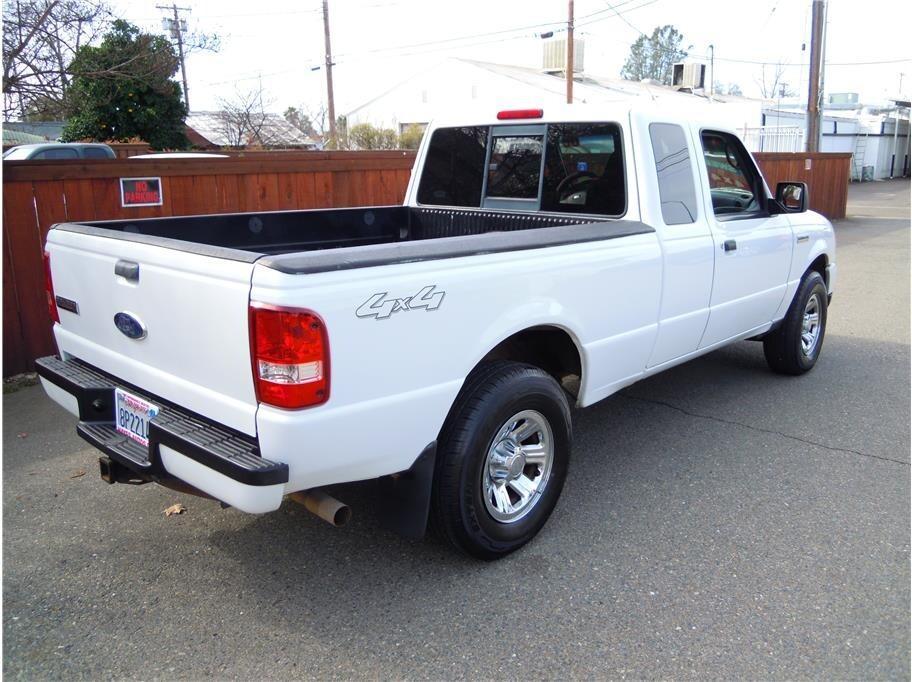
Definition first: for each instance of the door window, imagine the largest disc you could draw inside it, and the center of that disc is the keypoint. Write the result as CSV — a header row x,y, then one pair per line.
x,y
676,180
56,153
733,182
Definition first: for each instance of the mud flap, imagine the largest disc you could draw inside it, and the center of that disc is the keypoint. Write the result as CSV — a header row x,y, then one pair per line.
x,y
405,498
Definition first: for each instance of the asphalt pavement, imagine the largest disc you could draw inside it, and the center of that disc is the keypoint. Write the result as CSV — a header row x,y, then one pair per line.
x,y
718,521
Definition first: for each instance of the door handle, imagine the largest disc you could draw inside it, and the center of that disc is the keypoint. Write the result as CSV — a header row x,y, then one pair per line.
x,y
127,269
730,245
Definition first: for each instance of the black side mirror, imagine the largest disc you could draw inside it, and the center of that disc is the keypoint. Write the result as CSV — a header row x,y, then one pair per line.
x,y
793,196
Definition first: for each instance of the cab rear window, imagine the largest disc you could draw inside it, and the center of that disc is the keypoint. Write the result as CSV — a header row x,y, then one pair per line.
x,y
563,168
453,172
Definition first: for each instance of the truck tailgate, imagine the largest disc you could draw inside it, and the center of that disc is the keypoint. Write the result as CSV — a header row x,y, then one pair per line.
x,y
194,308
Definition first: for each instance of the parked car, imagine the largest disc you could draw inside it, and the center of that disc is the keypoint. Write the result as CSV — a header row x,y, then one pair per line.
x,y
538,262
59,150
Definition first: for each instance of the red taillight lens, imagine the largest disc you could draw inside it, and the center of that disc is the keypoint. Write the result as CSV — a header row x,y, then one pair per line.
x,y
511,114
290,353
49,288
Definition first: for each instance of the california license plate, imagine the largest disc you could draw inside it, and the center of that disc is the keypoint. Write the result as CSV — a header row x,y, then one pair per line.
x,y
133,416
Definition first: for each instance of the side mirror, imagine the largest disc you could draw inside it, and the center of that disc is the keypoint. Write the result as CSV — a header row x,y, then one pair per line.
x,y
793,196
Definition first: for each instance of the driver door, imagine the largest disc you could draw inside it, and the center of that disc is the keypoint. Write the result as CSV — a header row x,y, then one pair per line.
x,y
753,249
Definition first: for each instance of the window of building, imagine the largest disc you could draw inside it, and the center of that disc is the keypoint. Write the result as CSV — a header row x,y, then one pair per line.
x,y
673,168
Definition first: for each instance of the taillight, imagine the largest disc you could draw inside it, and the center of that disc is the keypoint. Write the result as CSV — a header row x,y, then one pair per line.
x,y
290,353
49,288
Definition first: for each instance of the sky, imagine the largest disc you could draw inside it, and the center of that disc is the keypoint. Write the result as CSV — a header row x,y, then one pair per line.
x,y
378,43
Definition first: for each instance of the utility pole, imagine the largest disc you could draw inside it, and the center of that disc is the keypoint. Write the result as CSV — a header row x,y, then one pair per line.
x,y
712,71
177,26
329,75
813,104
570,53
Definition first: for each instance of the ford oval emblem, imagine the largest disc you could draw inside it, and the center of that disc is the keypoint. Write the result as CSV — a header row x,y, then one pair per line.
x,y
129,325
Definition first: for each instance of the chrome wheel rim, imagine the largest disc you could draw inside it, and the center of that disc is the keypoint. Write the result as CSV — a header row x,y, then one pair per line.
x,y
517,466
810,325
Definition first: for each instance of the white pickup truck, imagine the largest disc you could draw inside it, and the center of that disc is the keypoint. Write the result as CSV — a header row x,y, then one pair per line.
x,y
541,260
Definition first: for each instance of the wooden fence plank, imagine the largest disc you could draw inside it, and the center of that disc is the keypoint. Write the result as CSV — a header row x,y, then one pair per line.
x,y
15,358
26,248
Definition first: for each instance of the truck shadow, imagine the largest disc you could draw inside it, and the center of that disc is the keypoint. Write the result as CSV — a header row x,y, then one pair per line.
x,y
639,456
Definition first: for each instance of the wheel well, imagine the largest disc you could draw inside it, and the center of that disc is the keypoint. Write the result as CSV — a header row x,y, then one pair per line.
x,y
820,265
549,348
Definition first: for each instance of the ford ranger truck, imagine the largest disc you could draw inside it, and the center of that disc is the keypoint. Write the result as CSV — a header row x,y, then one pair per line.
x,y
542,259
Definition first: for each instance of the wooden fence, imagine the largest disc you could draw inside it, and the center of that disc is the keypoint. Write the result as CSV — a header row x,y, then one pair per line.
x,y
38,194
827,176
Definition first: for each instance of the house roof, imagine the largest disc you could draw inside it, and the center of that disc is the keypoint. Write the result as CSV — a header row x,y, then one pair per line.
x,y
275,131
586,88
16,137
46,131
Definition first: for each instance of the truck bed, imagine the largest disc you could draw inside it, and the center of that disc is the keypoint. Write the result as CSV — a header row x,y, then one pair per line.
x,y
298,241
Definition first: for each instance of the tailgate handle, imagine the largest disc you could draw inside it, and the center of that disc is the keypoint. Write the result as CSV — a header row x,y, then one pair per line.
x,y
127,269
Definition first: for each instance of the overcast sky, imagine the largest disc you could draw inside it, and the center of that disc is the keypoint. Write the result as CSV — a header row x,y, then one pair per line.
x,y
377,43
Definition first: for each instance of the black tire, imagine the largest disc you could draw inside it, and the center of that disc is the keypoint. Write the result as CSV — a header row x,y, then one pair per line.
x,y
783,348
492,395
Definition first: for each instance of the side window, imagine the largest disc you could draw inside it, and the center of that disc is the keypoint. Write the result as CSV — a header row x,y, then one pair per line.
x,y
676,180
584,169
733,183
453,171
60,153
515,166
95,153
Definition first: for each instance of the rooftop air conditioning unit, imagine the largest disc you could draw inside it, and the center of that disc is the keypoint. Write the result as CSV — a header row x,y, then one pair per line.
x,y
554,56
688,75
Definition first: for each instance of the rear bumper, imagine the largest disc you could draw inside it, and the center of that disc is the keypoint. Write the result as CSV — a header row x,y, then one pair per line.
x,y
222,463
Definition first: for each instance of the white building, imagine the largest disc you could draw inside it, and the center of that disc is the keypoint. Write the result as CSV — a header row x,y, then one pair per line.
x,y
765,125
455,84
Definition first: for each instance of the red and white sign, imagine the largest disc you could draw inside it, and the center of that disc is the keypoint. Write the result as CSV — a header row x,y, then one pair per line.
x,y
140,192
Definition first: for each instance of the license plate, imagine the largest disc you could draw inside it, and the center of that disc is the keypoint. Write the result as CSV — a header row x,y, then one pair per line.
x,y
133,416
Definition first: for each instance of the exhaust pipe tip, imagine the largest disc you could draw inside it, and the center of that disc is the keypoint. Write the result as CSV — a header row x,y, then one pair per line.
x,y
325,506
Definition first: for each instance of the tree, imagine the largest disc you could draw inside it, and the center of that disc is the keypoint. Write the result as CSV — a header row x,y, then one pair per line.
x,y
411,137
243,120
771,84
301,121
123,89
366,136
721,88
653,56
40,40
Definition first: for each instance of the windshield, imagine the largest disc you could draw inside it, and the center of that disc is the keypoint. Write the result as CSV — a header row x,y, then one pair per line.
x,y
17,154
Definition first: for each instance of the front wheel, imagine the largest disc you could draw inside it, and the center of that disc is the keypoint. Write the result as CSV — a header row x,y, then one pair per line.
x,y
794,347
502,459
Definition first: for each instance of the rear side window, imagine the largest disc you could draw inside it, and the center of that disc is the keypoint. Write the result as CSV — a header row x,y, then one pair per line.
x,y
453,172
673,168
584,169
95,153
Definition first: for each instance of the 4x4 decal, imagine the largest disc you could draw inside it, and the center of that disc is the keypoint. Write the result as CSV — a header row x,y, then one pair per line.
x,y
381,307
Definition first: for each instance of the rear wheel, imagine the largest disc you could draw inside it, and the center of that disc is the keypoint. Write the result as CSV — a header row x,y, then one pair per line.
x,y
794,347
502,459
